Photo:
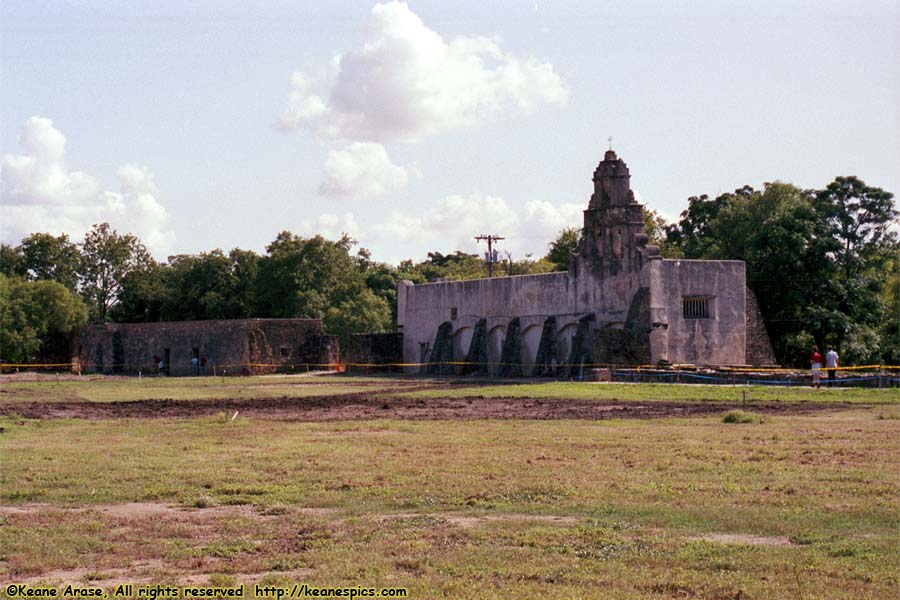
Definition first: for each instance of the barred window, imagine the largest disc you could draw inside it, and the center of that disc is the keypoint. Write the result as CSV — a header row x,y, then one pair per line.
x,y
695,307
453,313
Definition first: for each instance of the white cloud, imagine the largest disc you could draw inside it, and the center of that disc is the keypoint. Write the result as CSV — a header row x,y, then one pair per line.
x,y
42,140
453,224
544,220
40,194
142,212
455,221
331,226
361,169
407,82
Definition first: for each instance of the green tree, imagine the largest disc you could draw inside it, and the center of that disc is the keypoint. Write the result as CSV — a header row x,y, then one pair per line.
x,y
52,258
381,278
693,236
12,261
890,329
199,287
210,285
143,295
318,278
460,266
523,266
363,312
30,311
456,267
860,217
106,258
566,242
297,275
655,226
244,270
786,246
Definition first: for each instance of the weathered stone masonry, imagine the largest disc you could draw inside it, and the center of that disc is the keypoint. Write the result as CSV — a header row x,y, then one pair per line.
x,y
619,302
369,352
234,346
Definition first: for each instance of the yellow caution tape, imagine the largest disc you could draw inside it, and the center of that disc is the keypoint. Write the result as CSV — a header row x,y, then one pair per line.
x,y
336,366
32,365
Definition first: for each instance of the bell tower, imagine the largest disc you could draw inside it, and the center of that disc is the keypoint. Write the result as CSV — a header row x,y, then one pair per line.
x,y
612,183
614,241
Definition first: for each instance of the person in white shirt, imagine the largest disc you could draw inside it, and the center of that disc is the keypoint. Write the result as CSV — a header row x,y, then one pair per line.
x,y
831,365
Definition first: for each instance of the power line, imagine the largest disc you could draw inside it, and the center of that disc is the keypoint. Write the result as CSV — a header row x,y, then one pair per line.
x,y
490,253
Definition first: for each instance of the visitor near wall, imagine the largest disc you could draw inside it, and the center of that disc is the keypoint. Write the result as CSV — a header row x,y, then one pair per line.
x,y
816,361
831,365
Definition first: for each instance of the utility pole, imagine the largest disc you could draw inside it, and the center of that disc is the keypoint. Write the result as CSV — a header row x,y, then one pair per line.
x,y
490,253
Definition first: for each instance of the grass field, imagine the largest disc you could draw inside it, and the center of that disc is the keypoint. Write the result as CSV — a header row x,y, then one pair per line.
x,y
795,506
669,392
127,389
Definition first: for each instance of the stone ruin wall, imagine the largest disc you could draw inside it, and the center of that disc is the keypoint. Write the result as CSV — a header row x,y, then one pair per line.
x,y
232,347
374,352
759,346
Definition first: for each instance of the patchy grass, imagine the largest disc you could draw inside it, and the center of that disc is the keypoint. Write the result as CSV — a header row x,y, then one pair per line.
x,y
101,389
467,509
122,389
742,416
667,392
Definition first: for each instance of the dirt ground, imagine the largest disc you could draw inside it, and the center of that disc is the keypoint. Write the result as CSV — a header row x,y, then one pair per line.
x,y
384,405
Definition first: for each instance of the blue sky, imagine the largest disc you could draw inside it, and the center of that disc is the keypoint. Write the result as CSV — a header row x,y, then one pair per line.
x,y
415,127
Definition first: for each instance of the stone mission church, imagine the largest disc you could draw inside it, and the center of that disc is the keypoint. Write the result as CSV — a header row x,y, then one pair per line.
x,y
619,303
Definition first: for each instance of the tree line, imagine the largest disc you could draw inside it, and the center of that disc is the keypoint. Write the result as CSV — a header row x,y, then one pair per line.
x,y
823,265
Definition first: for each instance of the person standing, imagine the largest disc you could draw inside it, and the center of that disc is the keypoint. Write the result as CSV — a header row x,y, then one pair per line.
x,y
831,365
195,365
816,361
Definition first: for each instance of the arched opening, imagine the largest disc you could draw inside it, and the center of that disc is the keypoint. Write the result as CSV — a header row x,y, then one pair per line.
x,y
564,342
462,337
495,347
531,339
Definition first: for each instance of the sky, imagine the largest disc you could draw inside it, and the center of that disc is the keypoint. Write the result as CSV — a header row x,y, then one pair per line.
x,y
415,127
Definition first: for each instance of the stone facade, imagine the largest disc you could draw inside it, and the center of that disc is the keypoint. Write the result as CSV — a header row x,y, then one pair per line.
x,y
232,347
619,302
374,352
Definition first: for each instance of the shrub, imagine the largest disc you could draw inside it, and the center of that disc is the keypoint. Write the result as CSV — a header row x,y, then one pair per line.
x,y
741,416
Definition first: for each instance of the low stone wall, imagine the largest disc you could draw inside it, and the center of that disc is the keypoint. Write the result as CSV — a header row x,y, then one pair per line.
x,y
375,352
227,347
